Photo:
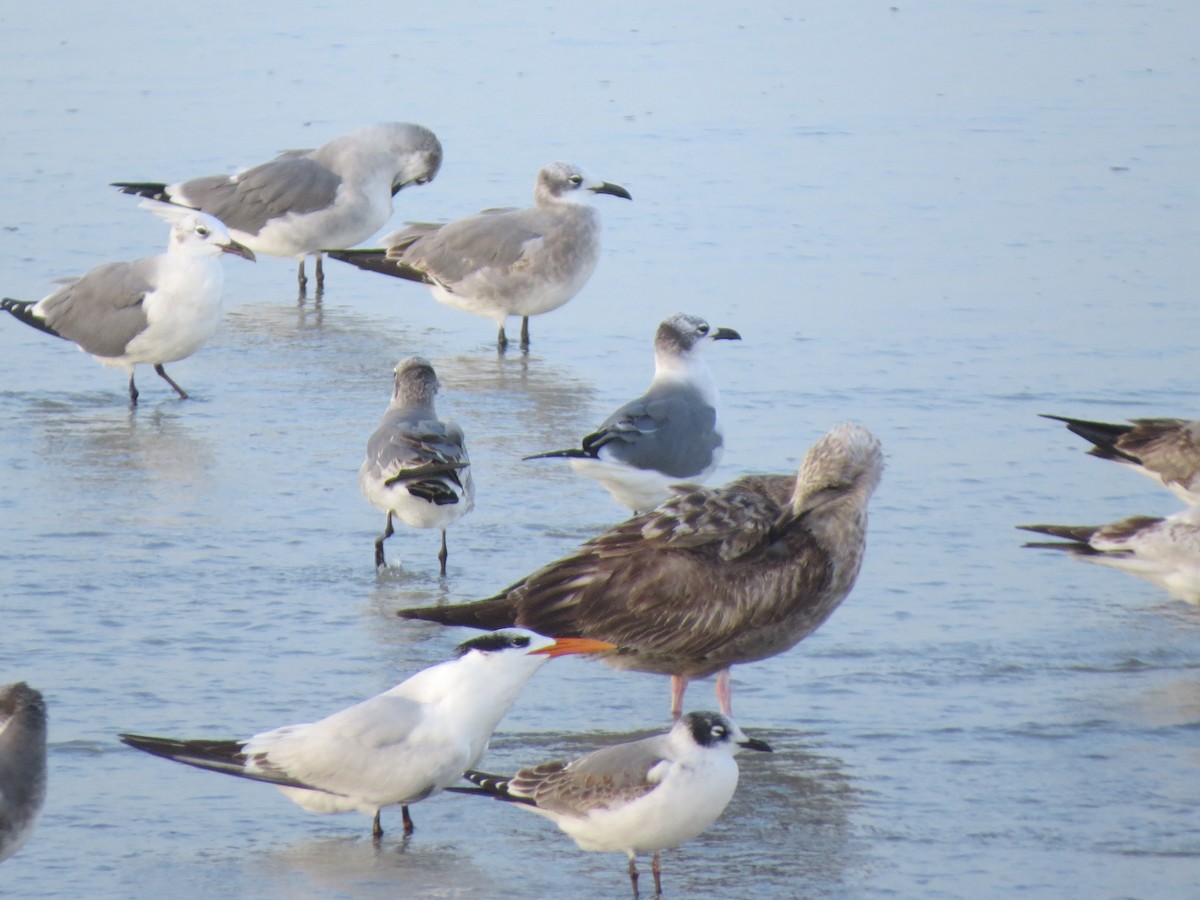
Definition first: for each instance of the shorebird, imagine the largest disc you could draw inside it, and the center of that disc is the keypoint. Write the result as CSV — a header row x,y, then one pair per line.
x,y
1167,450
503,262
671,434
638,797
399,747
417,466
711,578
153,311
303,201
1165,551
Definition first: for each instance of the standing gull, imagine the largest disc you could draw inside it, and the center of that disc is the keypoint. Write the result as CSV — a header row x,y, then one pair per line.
x,y
711,578
670,434
1165,551
504,262
638,797
1167,450
22,764
303,201
417,466
154,311
399,747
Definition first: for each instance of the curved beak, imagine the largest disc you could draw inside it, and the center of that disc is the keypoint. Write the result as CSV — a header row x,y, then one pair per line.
x,y
755,744
566,646
615,189
725,334
239,250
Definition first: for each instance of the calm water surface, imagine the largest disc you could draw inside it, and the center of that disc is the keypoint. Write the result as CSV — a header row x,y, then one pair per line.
x,y
939,219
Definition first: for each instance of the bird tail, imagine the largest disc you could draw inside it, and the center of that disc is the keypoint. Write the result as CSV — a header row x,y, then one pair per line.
x,y
497,612
228,757
1103,435
1075,538
23,310
153,189
573,453
377,260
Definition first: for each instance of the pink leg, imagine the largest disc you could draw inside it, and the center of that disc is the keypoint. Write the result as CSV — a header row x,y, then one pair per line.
x,y
678,686
725,693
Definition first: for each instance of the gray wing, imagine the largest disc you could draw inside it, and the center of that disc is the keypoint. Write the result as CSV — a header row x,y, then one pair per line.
x,y
607,777
102,311
1168,447
494,239
405,441
290,183
670,430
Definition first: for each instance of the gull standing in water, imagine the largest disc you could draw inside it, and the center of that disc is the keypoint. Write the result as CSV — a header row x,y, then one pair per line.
x,y
399,747
1165,551
303,201
1167,450
154,311
503,262
713,577
638,797
669,435
417,466
22,764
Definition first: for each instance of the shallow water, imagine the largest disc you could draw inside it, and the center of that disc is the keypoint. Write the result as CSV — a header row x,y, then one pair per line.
x,y
939,220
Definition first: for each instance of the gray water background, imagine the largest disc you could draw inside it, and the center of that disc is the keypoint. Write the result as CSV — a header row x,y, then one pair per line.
x,y
938,219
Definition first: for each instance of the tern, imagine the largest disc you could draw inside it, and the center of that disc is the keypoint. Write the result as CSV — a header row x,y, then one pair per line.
x,y
399,747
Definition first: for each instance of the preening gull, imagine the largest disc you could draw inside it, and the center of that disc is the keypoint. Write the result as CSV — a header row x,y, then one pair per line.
x,y
22,764
637,797
153,311
303,201
671,434
1166,450
711,578
399,747
417,466
1165,551
503,262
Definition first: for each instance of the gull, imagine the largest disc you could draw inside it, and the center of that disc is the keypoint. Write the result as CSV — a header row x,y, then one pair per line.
x,y
399,747
22,764
1165,551
154,311
669,435
417,466
1167,450
302,201
711,578
637,797
503,262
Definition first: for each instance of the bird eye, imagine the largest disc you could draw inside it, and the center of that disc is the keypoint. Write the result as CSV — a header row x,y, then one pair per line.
x,y
703,329
576,180
521,641
202,230
718,731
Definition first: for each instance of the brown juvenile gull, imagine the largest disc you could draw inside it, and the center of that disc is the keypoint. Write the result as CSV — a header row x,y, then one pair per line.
x,y
711,578
399,747
22,764
1165,551
637,797
154,311
417,466
303,201
503,262
1167,450
670,435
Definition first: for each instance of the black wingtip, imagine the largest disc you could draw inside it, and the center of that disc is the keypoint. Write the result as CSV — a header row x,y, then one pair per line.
x,y
152,189
573,453
22,310
488,615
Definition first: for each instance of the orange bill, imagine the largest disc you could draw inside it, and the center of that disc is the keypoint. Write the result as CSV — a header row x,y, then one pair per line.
x,y
564,646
